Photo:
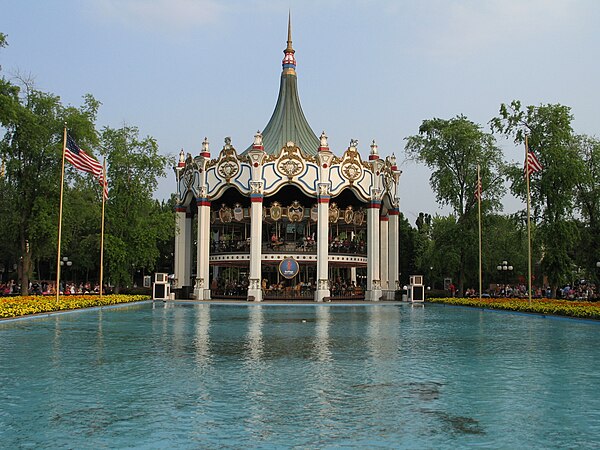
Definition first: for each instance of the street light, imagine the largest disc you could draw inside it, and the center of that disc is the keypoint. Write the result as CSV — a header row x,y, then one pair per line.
x,y
66,262
505,268
431,284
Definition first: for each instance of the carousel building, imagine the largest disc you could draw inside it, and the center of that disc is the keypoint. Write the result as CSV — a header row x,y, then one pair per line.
x,y
286,217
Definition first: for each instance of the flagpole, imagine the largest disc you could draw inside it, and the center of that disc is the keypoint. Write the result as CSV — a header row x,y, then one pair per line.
x,y
528,221
102,228
479,210
60,208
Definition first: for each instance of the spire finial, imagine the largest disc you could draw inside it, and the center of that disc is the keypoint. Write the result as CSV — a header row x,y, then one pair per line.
x,y
289,62
289,39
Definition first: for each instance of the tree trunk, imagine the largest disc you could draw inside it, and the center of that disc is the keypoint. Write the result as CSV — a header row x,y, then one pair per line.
x,y
24,273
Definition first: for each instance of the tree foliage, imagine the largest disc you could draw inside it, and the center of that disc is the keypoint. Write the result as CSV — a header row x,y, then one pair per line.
x,y
31,149
588,202
453,149
553,190
135,222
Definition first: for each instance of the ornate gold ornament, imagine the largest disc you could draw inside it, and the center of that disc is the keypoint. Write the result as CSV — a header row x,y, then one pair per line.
x,y
351,165
225,214
276,211
295,211
290,163
359,217
188,171
388,182
228,163
334,213
348,214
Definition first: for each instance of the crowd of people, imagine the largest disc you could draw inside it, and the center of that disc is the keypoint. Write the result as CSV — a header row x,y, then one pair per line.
x,y
289,288
44,287
341,287
337,244
579,291
235,288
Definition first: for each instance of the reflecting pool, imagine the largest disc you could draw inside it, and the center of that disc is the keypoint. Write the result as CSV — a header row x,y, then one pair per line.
x,y
168,375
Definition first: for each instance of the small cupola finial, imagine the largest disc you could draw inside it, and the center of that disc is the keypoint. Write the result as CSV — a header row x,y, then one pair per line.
x,y
323,144
374,151
205,148
258,141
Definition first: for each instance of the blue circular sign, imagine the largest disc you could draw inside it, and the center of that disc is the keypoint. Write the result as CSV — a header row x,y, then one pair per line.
x,y
289,268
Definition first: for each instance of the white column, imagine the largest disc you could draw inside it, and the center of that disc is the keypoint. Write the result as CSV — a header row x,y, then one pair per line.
x,y
180,246
202,286
322,293
187,236
353,275
206,248
383,252
254,280
373,283
394,252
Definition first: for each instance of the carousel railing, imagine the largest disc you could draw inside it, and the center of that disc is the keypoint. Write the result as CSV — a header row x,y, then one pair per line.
x,y
230,246
347,293
230,293
289,293
311,247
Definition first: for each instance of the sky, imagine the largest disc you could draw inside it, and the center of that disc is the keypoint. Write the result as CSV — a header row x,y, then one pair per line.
x,y
181,70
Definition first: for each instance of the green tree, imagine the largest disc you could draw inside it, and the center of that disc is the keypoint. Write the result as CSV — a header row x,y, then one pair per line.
x,y
407,243
588,202
136,224
452,149
553,189
31,150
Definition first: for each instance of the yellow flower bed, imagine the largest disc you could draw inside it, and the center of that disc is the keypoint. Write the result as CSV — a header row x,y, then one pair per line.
x,y
584,310
25,305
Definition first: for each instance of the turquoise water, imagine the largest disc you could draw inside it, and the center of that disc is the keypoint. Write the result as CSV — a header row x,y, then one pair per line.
x,y
254,376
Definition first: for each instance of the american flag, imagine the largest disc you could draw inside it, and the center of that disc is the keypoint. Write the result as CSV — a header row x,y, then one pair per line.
x,y
85,162
532,164
478,189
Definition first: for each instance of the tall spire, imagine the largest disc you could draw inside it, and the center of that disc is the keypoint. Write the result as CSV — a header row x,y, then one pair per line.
x,y
289,62
289,40
288,124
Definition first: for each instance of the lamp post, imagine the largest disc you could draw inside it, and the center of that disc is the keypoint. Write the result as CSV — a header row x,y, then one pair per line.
x,y
431,284
66,262
505,268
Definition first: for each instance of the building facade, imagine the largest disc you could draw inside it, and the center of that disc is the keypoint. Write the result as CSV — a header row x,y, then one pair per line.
x,y
286,217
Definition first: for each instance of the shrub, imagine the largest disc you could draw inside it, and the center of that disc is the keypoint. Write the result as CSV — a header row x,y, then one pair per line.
x,y
584,310
26,305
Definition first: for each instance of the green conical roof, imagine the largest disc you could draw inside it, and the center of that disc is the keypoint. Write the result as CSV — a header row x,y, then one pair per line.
x,y
288,122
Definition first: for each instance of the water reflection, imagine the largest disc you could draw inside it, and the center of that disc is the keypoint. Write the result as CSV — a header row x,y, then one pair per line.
x,y
324,382
100,339
56,342
202,336
321,343
180,338
383,331
254,337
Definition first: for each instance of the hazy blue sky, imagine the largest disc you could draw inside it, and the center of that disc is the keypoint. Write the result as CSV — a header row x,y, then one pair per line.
x,y
184,69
